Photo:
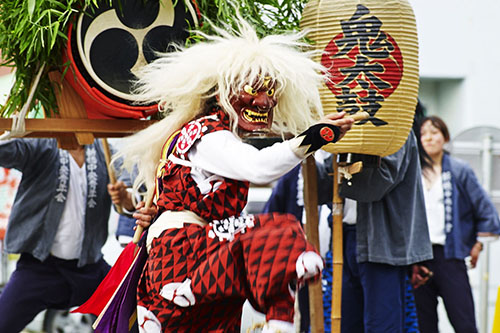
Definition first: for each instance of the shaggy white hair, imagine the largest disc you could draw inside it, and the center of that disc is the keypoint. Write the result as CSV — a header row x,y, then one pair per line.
x,y
182,82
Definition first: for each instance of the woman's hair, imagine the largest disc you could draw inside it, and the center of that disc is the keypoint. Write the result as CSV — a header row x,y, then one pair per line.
x,y
425,159
184,81
439,124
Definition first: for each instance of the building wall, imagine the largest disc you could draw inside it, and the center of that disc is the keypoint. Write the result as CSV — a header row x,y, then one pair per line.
x,y
459,62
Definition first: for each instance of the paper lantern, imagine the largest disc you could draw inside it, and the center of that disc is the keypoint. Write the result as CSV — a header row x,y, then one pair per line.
x,y
370,48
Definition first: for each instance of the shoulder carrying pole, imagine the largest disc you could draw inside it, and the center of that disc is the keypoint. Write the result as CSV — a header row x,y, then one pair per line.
x,y
337,244
139,229
312,233
111,171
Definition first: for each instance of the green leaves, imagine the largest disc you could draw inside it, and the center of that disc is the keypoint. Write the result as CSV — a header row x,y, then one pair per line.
x,y
267,16
32,33
31,7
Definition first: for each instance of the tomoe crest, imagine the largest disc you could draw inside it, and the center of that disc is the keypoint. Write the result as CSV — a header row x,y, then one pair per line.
x,y
111,42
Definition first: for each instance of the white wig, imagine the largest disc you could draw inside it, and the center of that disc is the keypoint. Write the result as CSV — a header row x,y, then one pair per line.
x,y
182,82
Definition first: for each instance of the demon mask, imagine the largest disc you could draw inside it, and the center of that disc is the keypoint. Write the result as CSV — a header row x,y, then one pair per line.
x,y
254,105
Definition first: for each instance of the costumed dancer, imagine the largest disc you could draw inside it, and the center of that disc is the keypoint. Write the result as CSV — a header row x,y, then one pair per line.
x,y
205,257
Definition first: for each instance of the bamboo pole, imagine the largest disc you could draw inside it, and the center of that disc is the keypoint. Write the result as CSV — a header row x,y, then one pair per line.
x,y
337,214
312,233
139,229
111,170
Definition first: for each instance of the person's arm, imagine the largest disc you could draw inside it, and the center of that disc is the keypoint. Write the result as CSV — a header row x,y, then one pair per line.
x,y
474,253
120,196
372,183
18,153
420,274
485,216
121,192
484,211
224,154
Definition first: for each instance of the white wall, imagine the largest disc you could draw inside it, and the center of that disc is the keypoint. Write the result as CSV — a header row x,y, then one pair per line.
x,y
459,39
6,81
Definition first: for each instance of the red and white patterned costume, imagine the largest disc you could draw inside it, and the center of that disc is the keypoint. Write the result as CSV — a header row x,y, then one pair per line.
x,y
197,277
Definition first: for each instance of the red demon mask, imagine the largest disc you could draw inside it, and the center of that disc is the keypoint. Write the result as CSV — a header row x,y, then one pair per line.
x,y
254,105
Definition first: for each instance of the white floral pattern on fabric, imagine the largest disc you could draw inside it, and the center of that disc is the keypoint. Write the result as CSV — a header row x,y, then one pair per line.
x,y
147,321
179,293
190,134
226,229
308,265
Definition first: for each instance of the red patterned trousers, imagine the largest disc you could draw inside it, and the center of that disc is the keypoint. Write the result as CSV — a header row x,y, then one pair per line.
x,y
227,262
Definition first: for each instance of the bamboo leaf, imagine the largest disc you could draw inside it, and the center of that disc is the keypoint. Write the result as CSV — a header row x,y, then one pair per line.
x,y
55,31
31,7
41,16
56,12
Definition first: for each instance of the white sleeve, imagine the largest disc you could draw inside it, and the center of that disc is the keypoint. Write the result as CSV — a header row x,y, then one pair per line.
x,y
224,154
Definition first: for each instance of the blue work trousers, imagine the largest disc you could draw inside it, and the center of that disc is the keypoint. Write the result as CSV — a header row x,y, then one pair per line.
x,y
450,281
54,283
373,294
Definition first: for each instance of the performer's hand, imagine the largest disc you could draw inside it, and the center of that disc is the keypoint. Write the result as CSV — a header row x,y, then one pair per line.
x,y
474,253
143,215
120,196
338,119
420,275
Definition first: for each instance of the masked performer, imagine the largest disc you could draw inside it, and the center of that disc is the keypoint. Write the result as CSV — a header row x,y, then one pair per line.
x,y
206,257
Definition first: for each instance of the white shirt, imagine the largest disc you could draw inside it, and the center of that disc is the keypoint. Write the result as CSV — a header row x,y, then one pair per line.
x,y
224,154
434,207
350,211
69,236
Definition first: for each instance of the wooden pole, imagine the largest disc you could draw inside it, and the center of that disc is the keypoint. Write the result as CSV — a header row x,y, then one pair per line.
x,y
139,229
70,106
51,127
111,170
337,251
312,233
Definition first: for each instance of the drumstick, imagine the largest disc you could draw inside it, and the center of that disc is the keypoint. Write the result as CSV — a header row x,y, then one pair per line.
x,y
359,116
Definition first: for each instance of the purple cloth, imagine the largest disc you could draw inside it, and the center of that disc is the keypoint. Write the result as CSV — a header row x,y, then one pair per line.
x,y
124,303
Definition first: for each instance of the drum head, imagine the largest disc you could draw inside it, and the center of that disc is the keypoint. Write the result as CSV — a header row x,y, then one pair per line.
x,y
114,42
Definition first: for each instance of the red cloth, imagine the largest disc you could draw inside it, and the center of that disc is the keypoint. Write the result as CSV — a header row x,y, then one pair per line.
x,y
97,302
179,191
